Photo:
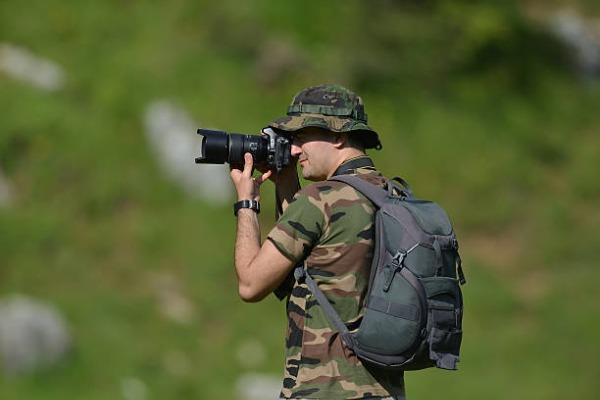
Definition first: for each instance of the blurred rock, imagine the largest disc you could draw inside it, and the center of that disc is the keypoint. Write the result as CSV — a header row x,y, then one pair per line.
x,y
251,353
252,386
22,64
582,36
172,135
32,335
173,304
133,388
5,190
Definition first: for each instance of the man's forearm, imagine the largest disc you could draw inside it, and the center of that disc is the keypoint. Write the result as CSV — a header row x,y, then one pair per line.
x,y
247,242
259,269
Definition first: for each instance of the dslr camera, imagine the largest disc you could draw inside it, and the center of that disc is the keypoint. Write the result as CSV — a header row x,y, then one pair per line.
x,y
269,149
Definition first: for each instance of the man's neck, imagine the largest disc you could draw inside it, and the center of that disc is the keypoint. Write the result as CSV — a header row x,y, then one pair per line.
x,y
345,155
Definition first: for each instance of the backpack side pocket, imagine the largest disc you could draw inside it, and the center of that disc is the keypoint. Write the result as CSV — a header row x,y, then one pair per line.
x,y
445,319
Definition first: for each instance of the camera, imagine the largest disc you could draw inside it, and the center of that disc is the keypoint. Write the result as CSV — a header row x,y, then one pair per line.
x,y
271,148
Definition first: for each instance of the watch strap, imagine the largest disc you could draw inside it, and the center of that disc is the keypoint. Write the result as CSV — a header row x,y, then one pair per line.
x,y
254,205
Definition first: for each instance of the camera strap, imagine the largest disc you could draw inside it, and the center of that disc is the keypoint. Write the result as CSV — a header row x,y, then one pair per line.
x,y
278,205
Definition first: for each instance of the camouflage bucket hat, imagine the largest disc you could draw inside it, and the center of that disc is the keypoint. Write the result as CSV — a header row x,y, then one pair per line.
x,y
331,107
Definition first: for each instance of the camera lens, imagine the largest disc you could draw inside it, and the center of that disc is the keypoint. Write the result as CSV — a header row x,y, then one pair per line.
x,y
240,144
214,147
218,147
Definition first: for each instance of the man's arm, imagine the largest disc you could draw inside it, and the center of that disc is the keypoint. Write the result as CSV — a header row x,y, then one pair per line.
x,y
260,269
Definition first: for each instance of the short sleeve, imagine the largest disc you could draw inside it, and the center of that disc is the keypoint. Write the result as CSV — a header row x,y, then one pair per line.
x,y
299,228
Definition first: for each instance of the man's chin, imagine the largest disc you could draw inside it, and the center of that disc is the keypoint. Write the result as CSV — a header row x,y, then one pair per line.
x,y
307,177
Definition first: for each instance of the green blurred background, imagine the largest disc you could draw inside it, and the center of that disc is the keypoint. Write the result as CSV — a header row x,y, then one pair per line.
x,y
479,105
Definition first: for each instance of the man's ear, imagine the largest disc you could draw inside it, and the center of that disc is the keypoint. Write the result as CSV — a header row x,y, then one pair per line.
x,y
341,139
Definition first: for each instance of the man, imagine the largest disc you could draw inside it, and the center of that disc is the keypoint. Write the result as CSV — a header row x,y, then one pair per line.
x,y
326,226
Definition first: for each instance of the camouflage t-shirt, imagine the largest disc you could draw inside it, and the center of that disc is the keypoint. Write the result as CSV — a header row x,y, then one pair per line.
x,y
331,225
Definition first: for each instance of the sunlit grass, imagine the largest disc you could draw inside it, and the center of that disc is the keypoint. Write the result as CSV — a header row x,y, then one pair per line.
x,y
98,230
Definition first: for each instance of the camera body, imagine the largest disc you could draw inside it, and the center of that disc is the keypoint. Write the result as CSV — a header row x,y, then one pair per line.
x,y
270,149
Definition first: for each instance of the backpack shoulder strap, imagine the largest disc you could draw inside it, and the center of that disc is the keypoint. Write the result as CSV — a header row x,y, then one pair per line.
x,y
376,194
301,274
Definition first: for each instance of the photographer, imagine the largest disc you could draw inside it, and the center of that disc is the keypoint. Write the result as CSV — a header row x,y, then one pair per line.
x,y
327,226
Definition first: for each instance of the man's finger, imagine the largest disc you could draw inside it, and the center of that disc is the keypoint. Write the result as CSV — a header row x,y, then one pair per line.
x,y
260,180
248,164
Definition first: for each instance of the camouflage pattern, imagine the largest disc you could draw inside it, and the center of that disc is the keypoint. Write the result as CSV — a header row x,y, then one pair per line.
x,y
372,398
331,225
331,107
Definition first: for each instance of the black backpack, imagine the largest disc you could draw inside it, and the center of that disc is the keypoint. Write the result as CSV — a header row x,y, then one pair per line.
x,y
414,304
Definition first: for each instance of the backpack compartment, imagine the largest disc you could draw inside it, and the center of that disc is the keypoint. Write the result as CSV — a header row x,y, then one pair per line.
x,y
396,312
394,319
413,317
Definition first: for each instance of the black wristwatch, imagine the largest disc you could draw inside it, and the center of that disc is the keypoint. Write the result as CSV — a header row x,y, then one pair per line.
x,y
251,204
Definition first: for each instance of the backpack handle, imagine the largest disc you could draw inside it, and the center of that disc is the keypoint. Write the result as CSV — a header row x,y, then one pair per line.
x,y
401,187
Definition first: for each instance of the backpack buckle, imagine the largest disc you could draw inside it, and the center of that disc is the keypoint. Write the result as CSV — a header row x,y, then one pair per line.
x,y
398,258
397,264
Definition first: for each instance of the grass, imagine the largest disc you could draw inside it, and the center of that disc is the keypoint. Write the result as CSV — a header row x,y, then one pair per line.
x,y
99,231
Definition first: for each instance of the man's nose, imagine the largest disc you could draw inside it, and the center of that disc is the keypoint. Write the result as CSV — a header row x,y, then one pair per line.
x,y
296,150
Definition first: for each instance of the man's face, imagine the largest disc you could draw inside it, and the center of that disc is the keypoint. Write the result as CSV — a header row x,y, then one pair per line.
x,y
314,149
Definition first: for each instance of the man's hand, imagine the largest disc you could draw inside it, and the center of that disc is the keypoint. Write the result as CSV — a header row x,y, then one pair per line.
x,y
247,187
